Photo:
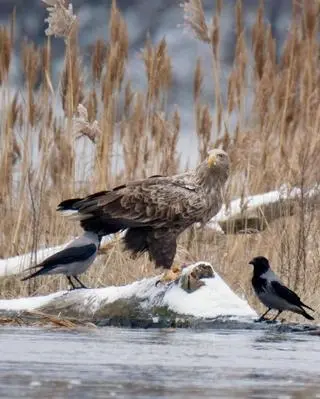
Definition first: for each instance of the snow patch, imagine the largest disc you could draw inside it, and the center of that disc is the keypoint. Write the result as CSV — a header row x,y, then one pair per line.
x,y
28,303
213,299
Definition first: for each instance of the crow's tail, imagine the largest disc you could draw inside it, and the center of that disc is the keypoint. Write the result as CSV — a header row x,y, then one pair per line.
x,y
32,275
306,315
306,306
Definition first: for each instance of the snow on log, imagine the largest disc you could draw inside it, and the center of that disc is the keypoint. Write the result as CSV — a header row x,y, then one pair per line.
x,y
143,302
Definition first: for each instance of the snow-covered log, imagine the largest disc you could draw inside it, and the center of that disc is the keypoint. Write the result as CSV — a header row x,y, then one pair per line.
x,y
254,213
143,303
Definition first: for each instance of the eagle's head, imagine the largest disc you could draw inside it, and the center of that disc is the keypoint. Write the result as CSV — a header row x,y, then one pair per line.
x,y
214,170
218,159
217,165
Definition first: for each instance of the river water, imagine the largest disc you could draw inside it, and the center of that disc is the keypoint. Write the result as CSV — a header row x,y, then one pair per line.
x,y
183,363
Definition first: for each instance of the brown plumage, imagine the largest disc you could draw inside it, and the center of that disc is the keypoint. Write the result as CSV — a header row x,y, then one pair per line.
x,y
155,210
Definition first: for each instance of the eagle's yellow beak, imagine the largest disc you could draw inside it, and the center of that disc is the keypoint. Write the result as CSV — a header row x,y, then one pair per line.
x,y
212,160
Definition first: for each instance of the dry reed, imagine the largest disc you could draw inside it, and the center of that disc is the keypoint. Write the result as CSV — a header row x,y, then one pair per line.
x,y
275,142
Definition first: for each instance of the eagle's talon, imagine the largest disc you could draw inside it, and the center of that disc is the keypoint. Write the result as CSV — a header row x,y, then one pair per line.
x,y
171,275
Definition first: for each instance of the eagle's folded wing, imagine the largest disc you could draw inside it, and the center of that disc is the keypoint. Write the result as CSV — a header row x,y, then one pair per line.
x,y
152,201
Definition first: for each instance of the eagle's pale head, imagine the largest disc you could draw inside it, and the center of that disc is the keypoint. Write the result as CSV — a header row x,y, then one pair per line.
x,y
218,159
214,170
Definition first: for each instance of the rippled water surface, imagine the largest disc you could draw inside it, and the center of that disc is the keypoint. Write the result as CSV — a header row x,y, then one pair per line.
x,y
124,363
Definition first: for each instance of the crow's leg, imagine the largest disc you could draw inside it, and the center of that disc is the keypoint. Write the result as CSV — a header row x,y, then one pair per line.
x,y
81,284
261,318
278,314
71,283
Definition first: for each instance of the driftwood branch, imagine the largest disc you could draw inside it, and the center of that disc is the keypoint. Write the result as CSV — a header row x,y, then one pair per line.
x,y
255,213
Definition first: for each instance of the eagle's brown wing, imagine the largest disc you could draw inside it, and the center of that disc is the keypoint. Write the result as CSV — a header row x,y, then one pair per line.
x,y
155,202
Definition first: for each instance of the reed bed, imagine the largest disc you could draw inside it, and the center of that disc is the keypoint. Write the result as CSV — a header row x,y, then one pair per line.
x,y
96,130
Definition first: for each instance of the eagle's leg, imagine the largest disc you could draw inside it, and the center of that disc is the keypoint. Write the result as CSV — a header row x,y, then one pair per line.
x,y
162,246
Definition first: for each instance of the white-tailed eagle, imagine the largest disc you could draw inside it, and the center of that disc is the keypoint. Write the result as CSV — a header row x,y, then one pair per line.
x,y
154,211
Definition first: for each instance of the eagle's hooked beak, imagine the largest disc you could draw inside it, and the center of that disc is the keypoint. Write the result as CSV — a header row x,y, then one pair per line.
x,y
212,160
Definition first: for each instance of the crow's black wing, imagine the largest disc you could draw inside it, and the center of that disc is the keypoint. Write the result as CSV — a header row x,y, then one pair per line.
x,y
64,257
285,293
70,255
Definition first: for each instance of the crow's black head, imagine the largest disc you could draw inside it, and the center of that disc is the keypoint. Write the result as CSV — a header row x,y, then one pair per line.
x,y
260,264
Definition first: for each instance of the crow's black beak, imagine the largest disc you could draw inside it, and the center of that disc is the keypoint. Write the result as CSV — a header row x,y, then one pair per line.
x,y
251,262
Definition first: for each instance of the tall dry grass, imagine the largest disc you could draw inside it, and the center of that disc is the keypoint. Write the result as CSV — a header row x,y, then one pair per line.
x,y
276,140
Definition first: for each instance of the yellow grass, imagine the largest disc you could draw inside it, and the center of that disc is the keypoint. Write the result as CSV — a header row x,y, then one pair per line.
x,y
45,154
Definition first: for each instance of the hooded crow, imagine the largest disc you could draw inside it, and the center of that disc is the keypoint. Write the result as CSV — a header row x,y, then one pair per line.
x,y
271,291
73,260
